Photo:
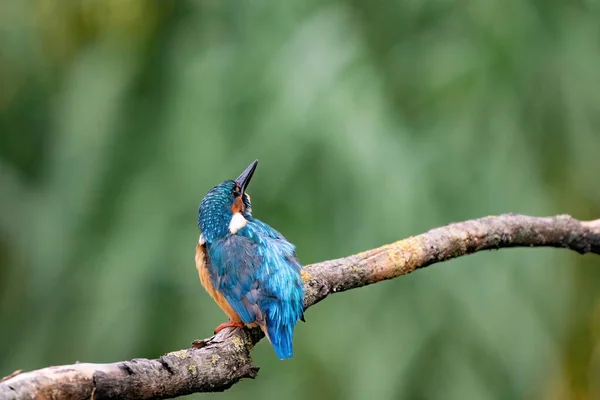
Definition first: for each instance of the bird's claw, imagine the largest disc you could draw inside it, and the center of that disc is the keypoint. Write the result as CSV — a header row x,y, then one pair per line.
x,y
229,324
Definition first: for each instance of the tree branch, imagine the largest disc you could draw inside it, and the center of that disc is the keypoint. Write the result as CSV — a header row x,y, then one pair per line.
x,y
216,363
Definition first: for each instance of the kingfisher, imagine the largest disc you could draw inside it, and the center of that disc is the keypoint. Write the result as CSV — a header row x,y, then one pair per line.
x,y
247,267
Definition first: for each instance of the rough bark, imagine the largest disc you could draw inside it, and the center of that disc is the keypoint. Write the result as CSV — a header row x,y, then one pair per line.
x,y
216,363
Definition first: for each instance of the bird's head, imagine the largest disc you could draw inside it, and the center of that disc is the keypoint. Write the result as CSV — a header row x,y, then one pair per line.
x,y
226,207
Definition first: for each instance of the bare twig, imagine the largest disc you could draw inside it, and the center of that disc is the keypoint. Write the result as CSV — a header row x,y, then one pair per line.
x,y
216,363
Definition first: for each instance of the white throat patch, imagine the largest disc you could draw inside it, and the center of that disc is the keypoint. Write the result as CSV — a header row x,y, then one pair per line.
x,y
201,239
237,222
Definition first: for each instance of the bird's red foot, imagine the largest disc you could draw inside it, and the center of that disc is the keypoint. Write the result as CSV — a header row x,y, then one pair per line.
x,y
229,324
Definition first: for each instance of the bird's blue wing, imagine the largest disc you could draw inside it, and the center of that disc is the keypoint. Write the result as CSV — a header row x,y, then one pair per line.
x,y
234,267
279,276
256,270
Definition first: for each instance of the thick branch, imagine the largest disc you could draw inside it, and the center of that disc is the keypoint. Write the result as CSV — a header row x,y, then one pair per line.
x,y
216,363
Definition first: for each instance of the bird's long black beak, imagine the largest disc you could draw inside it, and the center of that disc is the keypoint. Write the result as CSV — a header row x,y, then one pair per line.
x,y
244,179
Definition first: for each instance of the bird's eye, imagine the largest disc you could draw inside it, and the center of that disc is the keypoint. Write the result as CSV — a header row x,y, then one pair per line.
x,y
236,193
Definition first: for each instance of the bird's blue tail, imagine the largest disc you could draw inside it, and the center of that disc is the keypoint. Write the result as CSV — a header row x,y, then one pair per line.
x,y
281,336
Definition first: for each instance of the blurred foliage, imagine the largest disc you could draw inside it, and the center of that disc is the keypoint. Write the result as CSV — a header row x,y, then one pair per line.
x,y
372,121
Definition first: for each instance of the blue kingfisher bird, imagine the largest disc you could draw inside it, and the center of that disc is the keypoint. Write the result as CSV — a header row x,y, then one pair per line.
x,y
247,267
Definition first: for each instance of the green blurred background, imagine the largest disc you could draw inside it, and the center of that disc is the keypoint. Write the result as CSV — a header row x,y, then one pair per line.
x,y
372,121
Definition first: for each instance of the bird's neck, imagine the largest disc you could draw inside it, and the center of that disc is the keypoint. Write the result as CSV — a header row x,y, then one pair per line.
x,y
214,227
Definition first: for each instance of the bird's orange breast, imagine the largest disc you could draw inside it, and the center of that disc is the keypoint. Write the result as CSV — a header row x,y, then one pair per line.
x,y
207,283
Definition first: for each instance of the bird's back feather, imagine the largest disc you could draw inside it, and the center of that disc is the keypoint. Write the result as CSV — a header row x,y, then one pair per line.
x,y
258,273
